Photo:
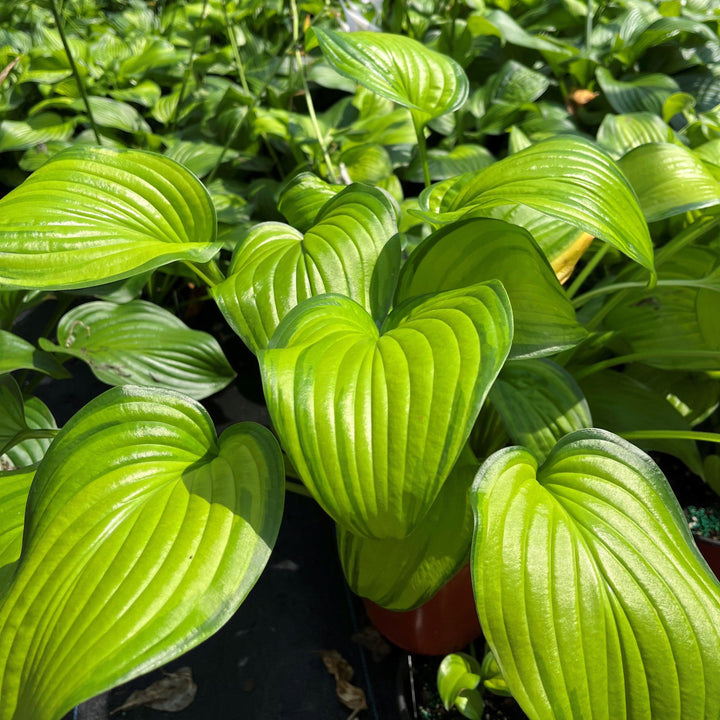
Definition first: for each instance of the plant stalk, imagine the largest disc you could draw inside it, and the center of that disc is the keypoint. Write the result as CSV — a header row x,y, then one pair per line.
x,y
422,150
585,272
73,68
671,435
640,356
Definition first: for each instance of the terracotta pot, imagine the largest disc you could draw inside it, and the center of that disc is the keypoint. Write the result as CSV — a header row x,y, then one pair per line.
x,y
444,624
710,550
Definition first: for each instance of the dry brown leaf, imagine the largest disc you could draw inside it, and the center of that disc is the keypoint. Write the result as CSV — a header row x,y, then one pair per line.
x,y
350,696
371,639
8,69
173,693
581,96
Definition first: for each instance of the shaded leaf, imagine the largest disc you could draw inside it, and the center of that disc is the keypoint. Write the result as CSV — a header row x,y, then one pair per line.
x,y
19,354
173,693
645,92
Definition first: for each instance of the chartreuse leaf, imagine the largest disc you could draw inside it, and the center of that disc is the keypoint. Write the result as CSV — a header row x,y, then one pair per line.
x,y
458,672
141,555
34,442
471,251
383,415
621,403
14,490
302,198
140,343
275,267
92,215
669,180
589,589
675,327
566,177
619,134
398,68
539,402
404,573
19,354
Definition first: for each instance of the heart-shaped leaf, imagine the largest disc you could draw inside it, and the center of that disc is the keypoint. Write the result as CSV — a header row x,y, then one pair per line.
x,y
472,251
405,573
382,417
19,354
566,177
93,215
669,180
144,532
589,588
140,343
399,68
539,402
276,267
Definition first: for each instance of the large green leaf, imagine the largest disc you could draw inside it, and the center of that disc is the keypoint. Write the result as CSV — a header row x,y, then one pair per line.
x,y
382,416
399,68
405,573
19,354
621,403
568,178
476,250
669,180
619,134
93,215
140,343
275,267
302,198
144,532
43,128
676,328
539,402
589,588
14,490
640,93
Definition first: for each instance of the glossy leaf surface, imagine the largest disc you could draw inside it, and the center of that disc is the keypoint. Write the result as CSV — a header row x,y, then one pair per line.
x,y
140,556
476,250
589,588
565,177
381,417
92,215
140,343
19,354
404,573
276,267
669,180
399,68
539,402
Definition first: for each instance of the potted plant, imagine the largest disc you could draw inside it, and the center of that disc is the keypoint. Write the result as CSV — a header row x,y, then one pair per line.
x,y
397,371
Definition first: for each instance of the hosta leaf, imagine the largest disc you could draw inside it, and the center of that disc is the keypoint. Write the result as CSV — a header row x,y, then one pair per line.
x,y
403,574
14,489
19,354
565,177
476,250
620,403
144,532
140,343
199,157
369,163
444,164
676,328
382,417
398,68
12,412
669,180
302,199
619,134
24,134
92,215
590,591
31,449
539,402
641,93
276,267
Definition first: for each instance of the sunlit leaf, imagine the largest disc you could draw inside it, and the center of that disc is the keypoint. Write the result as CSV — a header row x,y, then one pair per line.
x,y
589,589
472,251
144,532
14,490
383,414
619,134
92,215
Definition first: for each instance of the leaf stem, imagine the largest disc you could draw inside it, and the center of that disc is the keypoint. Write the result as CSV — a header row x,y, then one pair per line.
x,y
208,272
422,150
297,488
585,272
75,72
704,283
671,435
640,356
308,97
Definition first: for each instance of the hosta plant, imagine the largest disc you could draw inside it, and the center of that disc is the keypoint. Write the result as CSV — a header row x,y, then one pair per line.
x,y
433,390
